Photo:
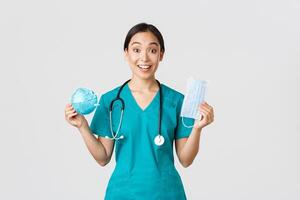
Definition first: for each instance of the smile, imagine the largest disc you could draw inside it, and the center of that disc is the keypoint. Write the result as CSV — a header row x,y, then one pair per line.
x,y
144,67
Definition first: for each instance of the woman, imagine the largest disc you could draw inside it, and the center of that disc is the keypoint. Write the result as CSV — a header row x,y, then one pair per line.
x,y
144,134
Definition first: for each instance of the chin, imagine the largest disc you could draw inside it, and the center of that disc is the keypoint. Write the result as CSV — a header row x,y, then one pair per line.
x,y
145,76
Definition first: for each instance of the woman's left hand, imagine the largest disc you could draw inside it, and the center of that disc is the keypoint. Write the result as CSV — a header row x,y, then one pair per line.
x,y
207,115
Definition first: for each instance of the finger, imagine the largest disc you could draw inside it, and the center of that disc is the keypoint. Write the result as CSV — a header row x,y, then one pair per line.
x,y
209,109
209,113
71,112
71,109
209,116
202,107
71,116
205,115
68,105
207,105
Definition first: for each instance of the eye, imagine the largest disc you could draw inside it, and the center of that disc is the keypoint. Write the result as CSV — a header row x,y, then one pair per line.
x,y
136,50
153,50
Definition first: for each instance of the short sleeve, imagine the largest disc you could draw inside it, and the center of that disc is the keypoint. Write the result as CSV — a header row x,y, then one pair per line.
x,y
100,121
181,131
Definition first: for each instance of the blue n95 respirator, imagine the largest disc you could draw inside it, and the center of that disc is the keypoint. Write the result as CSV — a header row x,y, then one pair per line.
x,y
84,101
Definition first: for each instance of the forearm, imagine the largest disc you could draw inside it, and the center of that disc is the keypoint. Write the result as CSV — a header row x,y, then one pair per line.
x,y
94,146
191,147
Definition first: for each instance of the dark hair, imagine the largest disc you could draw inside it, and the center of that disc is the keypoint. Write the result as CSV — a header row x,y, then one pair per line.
x,y
143,27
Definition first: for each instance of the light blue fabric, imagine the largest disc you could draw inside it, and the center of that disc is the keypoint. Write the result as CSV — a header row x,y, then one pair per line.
x,y
143,171
195,92
84,101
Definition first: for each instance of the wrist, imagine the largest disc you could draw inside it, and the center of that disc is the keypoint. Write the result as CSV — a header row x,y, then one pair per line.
x,y
83,127
198,129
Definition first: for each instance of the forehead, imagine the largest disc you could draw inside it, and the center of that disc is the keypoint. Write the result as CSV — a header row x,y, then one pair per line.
x,y
144,38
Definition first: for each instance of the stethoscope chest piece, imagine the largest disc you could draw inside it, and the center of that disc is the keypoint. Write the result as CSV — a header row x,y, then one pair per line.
x,y
159,140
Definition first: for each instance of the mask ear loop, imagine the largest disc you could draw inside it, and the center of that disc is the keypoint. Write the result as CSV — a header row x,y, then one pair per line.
x,y
187,125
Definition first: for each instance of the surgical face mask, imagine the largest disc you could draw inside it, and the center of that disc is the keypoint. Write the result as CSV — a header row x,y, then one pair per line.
x,y
195,92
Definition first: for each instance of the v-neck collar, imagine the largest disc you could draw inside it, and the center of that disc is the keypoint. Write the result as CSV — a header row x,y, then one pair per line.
x,y
134,103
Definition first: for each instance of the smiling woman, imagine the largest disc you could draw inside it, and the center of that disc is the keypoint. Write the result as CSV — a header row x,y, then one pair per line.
x,y
144,49
148,126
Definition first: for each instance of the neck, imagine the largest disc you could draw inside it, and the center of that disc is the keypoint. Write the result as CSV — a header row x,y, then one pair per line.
x,y
143,84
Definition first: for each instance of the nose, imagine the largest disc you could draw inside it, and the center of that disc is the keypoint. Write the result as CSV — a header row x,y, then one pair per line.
x,y
144,56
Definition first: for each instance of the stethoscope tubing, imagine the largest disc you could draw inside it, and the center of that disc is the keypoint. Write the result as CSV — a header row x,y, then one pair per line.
x,y
118,98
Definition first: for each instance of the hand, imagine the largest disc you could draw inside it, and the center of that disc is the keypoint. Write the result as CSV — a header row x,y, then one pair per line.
x,y
207,116
74,118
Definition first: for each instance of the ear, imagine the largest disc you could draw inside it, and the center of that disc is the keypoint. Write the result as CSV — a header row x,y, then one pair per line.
x,y
126,54
161,56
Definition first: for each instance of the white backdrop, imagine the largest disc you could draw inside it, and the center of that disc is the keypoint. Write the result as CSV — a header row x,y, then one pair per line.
x,y
248,50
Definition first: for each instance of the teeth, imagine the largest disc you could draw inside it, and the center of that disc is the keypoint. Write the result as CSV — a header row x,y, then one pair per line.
x,y
144,66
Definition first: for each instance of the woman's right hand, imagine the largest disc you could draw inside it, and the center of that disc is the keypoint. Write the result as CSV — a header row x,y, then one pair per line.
x,y
74,118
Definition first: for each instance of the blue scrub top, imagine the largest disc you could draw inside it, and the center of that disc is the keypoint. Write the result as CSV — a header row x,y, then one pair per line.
x,y
143,170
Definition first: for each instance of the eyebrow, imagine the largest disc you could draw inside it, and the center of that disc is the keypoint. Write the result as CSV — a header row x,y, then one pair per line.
x,y
155,43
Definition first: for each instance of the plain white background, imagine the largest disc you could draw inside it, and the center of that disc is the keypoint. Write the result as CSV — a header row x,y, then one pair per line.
x,y
248,50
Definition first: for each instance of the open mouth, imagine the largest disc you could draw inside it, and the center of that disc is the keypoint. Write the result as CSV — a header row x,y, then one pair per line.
x,y
144,67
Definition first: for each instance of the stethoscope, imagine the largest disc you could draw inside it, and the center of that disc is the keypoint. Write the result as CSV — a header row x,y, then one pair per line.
x,y
158,140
